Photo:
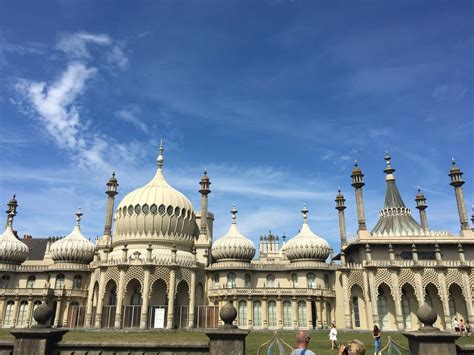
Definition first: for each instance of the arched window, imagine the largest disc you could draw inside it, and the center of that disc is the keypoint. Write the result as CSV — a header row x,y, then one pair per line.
x,y
35,305
294,280
4,281
113,296
311,280
272,314
406,312
383,313
355,309
231,280
8,318
271,280
22,314
257,314
136,299
216,280
30,283
77,285
287,314
242,313
248,281
59,281
452,307
326,281
302,314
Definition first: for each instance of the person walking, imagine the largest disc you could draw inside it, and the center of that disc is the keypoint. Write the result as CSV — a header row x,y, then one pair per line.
x,y
455,325
302,342
377,335
462,328
333,336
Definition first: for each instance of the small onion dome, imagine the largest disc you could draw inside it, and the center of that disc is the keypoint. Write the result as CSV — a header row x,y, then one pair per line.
x,y
12,250
74,248
356,169
306,245
233,245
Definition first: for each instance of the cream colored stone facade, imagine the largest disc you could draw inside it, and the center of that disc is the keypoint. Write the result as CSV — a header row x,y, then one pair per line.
x,y
159,265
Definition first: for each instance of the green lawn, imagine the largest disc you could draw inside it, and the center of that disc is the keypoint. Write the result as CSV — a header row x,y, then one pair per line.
x,y
319,339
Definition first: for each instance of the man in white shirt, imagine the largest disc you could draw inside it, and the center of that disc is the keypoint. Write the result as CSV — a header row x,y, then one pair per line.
x,y
455,325
302,341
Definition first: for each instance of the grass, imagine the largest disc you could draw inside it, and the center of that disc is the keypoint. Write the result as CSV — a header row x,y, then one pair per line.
x,y
319,339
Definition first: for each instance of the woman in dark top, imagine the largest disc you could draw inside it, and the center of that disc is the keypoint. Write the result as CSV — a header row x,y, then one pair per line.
x,y
377,335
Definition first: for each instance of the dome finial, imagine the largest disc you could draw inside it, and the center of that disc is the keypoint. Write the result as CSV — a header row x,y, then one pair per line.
x,y
78,216
234,214
388,170
160,158
305,211
10,217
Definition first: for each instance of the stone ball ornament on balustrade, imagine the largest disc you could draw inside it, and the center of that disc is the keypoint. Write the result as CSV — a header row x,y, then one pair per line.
x,y
42,315
427,317
228,314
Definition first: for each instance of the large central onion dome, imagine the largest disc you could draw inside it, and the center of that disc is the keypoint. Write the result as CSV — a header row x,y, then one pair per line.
x,y
12,250
155,213
233,245
306,245
74,248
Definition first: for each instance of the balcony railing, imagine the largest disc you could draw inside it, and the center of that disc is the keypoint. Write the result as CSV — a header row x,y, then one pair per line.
x,y
44,292
272,291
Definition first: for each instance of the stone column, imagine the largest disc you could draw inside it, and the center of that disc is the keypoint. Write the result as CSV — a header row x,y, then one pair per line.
x,y
457,182
309,314
57,321
358,183
66,313
319,322
321,311
120,294
419,288
373,297
249,312
171,295
444,300
90,300
294,311
398,301
146,298
264,313
192,298
347,306
29,312
2,309
468,295
279,313
100,299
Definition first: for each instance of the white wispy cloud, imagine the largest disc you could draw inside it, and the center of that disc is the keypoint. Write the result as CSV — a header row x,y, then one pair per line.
x,y
131,115
77,46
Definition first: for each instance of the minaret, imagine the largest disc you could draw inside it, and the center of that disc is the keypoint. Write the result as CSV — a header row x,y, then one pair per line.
x,y
421,206
111,192
12,206
457,182
204,243
358,183
472,219
340,206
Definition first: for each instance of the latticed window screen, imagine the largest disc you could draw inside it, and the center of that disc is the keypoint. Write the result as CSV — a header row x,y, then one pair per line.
x,y
452,308
355,309
302,314
287,314
22,313
257,313
230,280
294,280
272,314
383,314
406,312
7,321
311,280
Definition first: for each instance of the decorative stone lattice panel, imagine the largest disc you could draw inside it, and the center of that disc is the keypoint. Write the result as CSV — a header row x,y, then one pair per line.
x,y
106,284
134,272
471,279
407,276
183,274
160,273
453,276
112,273
96,274
355,278
430,276
384,276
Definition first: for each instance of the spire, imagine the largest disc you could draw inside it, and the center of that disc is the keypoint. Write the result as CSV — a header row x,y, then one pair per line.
x,y
234,214
340,206
358,184
421,206
78,217
456,181
395,218
12,205
160,158
305,211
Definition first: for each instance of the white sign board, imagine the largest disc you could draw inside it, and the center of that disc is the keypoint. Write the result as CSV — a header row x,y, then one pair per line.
x,y
159,318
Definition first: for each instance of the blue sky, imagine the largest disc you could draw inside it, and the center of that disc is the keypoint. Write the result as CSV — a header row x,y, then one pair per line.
x,y
275,98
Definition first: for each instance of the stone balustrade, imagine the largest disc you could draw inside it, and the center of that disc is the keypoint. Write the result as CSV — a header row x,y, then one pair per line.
x,y
43,292
271,291
419,263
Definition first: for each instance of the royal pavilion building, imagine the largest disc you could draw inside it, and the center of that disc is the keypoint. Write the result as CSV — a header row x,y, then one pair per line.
x,y
158,265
